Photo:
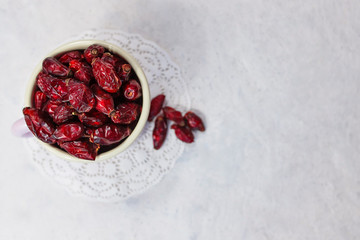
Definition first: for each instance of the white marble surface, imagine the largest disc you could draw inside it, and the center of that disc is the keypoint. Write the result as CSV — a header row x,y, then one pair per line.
x,y
278,84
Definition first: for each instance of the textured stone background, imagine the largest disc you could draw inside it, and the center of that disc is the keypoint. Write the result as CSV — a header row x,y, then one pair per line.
x,y
278,84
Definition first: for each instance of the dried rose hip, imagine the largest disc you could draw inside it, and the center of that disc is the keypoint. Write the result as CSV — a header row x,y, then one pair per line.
x,y
109,58
159,132
194,121
69,132
109,134
156,105
39,100
93,118
104,101
54,67
68,56
183,133
174,115
54,88
50,107
125,72
63,113
81,149
82,70
106,76
132,90
126,113
80,96
93,51
39,124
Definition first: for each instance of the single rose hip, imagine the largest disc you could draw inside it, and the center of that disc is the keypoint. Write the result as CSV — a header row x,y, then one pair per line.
x,y
69,132
75,64
39,100
68,56
81,149
156,105
104,101
80,96
106,76
125,113
183,133
82,70
194,121
63,113
93,51
50,107
125,72
132,90
174,115
54,67
54,88
159,132
93,118
109,134
39,124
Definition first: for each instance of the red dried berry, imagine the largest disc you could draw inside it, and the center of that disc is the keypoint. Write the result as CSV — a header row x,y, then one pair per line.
x,y
104,101
63,113
39,100
54,67
126,113
106,76
183,133
80,96
174,115
82,71
194,121
124,72
53,88
132,90
39,124
50,107
159,132
93,118
156,105
109,58
81,149
69,132
93,51
75,64
68,56
109,134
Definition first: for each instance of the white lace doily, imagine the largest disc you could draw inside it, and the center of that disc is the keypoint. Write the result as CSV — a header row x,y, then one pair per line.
x,y
140,166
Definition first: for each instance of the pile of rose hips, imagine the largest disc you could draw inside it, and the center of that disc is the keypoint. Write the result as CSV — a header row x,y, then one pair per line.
x,y
183,126
85,101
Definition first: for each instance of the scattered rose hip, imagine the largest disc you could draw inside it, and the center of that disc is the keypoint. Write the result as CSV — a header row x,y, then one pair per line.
x,y
183,127
73,102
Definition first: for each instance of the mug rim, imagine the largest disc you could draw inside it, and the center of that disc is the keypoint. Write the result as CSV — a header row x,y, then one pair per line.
x,y
83,44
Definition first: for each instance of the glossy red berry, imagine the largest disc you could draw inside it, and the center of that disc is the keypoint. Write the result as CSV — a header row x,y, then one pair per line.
x,y
194,121
63,113
52,66
109,134
50,107
104,101
106,76
82,71
132,90
159,132
69,132
93,51
68,56
80,96
39,100
183,133
110,58
81,149
124,72
174,115
93,118
53,88
156,105
126,113
39,124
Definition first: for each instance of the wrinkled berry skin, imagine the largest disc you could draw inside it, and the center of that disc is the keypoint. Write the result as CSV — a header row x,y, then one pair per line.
x,y
194,121
81,149
39,124
93,51
50,107
109,134
126,113
156,105
80,96
52,66
106,76
183,133
39,100
63,113
159,132
53,88
68,56
132,90
82,71
174,115
69,132
104,101
124,72
93,118
109,58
